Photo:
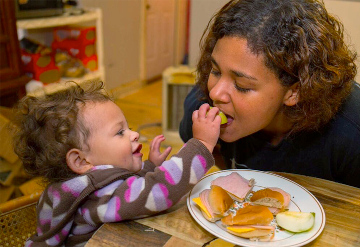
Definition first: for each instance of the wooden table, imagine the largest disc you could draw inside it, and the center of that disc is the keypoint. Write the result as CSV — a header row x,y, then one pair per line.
x,y
176,227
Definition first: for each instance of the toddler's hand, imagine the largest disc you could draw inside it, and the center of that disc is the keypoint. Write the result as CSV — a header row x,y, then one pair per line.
x,y
155,156
206,125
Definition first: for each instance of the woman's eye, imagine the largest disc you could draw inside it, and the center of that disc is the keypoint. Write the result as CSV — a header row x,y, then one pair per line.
x,y
215,72
241,89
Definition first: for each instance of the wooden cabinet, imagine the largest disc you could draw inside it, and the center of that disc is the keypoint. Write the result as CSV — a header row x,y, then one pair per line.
x,y
12,79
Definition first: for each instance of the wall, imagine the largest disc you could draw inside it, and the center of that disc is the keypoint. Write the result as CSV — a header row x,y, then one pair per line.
x,y
348,12
200,13
122,29
202,10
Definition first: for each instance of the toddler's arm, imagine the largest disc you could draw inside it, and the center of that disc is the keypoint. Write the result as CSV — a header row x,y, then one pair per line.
x,y
156,191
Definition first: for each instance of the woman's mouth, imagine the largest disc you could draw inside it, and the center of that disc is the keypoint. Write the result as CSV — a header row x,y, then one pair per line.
x,y
229,121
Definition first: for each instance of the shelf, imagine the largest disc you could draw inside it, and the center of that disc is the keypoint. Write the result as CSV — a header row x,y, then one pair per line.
x,y
62,84
93,15
62,20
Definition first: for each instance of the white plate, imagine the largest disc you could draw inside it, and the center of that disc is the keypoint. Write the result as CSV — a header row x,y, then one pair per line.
x,y
301,200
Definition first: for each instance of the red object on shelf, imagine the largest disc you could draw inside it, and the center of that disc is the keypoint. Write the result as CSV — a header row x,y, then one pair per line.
x,y
84,35
78,42
74,48
40,67
91,62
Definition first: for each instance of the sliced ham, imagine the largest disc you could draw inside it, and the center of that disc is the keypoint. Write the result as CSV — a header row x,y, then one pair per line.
x,y
235,184
204,195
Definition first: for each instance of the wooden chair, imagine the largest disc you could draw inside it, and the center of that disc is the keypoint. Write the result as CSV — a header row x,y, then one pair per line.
x,y
17,220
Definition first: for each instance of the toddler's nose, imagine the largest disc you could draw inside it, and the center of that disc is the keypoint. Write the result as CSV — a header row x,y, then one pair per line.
x,y
135,136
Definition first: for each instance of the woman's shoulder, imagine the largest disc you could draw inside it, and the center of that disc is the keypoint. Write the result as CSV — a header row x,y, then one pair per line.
x,y
349,113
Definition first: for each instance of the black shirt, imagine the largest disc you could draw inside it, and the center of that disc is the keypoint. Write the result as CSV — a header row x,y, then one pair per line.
x,y
332,153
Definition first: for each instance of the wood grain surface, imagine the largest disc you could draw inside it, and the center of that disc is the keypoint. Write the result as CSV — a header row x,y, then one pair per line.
x,y
176,227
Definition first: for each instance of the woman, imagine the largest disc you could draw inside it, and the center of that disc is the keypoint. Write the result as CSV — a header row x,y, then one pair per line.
x,y
282,74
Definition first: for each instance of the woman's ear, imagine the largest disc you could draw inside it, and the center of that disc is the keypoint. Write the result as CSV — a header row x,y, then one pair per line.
x,y
291,97
77,162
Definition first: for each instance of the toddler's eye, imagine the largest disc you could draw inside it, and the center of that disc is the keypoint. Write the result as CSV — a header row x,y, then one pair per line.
x,y
121,132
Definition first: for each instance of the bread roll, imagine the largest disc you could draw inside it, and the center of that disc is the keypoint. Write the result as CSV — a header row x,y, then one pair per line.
x,y
214,203
268,197
249,215
219,200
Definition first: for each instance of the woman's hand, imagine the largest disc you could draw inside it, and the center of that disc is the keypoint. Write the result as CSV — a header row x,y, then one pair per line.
x,y
155,156
206,125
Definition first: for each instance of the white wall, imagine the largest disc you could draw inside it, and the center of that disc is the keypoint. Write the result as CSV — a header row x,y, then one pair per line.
x,y
200,13
122,29
348,11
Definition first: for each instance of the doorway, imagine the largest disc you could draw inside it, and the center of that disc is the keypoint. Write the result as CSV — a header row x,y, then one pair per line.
x,y
164,36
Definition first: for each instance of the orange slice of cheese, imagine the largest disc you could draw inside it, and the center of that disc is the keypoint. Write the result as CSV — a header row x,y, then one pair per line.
x,y
240,230
197,200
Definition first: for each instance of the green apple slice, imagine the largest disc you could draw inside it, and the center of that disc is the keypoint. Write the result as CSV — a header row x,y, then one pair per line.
x,y
295,221
222,116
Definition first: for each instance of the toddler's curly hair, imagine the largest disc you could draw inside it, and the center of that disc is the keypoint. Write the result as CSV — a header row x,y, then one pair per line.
x,y
49,126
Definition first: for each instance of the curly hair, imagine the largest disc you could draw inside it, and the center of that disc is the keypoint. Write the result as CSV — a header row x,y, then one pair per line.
x,y
49,126
301,43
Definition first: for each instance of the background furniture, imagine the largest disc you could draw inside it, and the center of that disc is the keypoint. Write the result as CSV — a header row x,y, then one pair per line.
x,y
12,78
17,225
40,29
177,83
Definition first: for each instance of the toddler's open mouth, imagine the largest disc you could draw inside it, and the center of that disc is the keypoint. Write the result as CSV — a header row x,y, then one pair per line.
x,y
138,149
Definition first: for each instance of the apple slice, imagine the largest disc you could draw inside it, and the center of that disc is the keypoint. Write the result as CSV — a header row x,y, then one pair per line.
x,y
295,221
223,117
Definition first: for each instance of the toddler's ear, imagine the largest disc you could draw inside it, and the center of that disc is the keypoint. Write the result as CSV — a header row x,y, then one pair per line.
x,y
77,162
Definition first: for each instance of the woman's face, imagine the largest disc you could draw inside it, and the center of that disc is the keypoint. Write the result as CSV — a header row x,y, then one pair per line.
x,y
247,91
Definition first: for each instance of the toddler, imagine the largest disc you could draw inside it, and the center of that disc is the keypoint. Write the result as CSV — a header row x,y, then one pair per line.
x,y
79,141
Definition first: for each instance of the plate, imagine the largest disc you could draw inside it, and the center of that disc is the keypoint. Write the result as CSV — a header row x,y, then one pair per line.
x,y
301,200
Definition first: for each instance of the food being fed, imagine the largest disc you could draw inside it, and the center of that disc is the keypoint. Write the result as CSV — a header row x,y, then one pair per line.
x,y
222,116
295,221
214,203
237,186
251,222
271,197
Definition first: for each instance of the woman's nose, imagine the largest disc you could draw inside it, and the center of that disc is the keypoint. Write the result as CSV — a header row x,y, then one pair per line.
x,y
220,91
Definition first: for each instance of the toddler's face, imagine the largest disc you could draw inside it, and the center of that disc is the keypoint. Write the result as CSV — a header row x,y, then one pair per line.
x,y
111,142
